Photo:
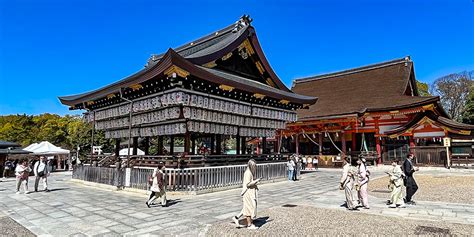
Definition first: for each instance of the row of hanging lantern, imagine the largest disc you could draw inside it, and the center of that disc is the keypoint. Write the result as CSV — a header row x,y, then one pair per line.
x,y
256,132
109,124
156,116
212,128
159,130
212,116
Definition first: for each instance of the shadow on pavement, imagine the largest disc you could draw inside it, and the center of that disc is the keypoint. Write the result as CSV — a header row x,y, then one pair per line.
x,y
58,189
259,222
168,203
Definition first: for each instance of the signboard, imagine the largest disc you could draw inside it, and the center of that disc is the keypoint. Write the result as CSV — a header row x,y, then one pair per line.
x,y
447,142
97,150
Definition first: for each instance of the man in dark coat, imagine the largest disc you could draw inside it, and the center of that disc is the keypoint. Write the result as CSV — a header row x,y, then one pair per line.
x,y
409,181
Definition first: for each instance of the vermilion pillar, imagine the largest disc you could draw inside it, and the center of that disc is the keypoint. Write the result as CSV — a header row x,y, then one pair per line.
x,y
354,141
297,143
379,150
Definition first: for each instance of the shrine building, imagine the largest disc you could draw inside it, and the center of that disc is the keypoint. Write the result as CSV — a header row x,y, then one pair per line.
x,y
374,111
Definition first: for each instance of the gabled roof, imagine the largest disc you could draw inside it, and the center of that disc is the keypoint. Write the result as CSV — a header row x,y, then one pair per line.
x,y
419,119
377,87
172,58
194,55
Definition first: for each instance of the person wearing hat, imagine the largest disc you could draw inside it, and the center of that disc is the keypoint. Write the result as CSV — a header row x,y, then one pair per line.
x,y
363,180
347,183
158,188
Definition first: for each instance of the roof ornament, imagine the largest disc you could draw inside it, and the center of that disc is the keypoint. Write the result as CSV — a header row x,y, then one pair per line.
x,y
152,60
241,23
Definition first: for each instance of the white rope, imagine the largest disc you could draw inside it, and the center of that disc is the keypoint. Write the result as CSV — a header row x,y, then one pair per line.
x,y
363,146
309,138
330,139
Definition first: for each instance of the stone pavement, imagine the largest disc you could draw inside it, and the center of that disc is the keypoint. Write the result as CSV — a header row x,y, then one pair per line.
x,y
78,210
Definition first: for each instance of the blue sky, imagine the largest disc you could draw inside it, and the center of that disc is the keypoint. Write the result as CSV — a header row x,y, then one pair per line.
x,y
52,48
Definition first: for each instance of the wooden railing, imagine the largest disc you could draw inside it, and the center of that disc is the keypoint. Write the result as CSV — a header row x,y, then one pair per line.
x,y
187,161
188,179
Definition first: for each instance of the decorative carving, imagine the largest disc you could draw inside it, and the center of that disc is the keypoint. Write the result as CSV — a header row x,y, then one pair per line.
x,y
175,70
210,64
285,102
110,96
226,88
258,96
259,67
136,87
246,44
270,82
227,56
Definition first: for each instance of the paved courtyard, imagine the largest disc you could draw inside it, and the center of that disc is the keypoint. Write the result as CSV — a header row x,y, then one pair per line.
x,y
78,210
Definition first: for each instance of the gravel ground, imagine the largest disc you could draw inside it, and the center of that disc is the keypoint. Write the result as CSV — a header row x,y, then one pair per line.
x,y
311,221
438,188
9,227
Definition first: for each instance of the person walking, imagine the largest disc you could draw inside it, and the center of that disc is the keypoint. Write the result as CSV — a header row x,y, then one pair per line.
x,y
158,186
295,167
363,180
347,183
22,172
409,181
6,169
396,181
304,163
290,165
249,196
315,162
41,171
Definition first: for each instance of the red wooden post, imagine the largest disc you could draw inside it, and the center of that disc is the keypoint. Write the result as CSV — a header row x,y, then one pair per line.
x,y
379,150
297,141
343,142
354,142
320,135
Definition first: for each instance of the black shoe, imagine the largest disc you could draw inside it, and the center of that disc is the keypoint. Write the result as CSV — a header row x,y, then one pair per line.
x,y
36,190
46,190
164,205
148,205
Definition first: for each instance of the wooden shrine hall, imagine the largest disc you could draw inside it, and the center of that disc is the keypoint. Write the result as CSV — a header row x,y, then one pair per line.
x,y
374,111
218,85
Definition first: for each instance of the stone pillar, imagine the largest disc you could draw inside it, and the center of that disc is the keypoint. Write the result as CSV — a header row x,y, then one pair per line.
x,y
135,146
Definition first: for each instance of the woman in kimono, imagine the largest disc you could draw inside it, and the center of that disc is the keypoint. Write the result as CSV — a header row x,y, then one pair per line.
x,y
249,196
158,186
347,183
396,182
363,180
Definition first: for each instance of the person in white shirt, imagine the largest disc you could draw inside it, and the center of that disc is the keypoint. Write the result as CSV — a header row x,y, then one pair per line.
x,y
41,171
22,172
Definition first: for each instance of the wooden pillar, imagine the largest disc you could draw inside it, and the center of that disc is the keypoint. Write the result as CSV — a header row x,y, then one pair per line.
x,y
146,146
193,145
171,145
219,144
160,145
412,143
320,136
135,146
186,142
243,145
237,145
297,143
264,145
354,142
213,146
277,144
117,148
343,144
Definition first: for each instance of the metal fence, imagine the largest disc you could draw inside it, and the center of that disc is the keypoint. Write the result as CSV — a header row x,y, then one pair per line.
x,y
188,179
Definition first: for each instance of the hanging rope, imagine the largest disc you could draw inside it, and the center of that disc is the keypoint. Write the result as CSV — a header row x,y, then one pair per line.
x,y
330,139
309,138
363,147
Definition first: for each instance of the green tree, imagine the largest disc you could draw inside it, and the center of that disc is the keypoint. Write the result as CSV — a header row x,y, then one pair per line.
x,y
423,88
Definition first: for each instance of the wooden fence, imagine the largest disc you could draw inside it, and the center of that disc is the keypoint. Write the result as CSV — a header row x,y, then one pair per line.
x,y
200,179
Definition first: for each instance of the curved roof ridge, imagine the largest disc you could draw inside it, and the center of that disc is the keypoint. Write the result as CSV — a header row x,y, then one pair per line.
x,y
353,70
